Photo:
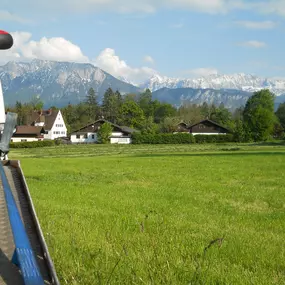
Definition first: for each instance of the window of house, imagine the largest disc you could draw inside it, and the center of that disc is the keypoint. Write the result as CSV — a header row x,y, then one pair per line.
x,y
93,137
46,132
85,136
11,140
23,140
78,136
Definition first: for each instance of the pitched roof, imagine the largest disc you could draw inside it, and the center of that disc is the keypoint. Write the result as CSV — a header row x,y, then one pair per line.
x,y
28,130
128,129
124,129
45,116
210,121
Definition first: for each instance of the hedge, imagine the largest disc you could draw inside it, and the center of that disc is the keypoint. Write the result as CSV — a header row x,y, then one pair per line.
x,y
34,144
138,138
214,138
180,138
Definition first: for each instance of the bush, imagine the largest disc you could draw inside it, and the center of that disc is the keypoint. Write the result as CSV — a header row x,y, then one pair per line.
x,y
214,138
138,138
33,144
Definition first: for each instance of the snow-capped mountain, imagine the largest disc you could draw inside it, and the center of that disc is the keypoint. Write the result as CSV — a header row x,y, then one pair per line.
x,y
61,83
56,83
239,81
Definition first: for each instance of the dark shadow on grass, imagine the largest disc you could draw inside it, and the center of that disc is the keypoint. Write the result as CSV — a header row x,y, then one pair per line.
x,y
257,153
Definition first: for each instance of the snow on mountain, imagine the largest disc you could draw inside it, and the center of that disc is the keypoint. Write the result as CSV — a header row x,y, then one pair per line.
x,y
56,83
239,81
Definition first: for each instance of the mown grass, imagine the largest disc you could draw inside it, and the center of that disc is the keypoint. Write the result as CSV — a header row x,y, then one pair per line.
x,y
145,214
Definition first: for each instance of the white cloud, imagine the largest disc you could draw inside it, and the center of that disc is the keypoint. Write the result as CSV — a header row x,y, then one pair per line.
x,y
203,71
111,63
58,49
149,59
7,16
270,7
253,44
265,25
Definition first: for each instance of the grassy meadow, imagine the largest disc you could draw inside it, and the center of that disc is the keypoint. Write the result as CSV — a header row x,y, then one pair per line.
x,y
161,214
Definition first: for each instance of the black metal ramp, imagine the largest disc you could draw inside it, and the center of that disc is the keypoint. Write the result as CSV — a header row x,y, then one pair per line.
x,y
10,274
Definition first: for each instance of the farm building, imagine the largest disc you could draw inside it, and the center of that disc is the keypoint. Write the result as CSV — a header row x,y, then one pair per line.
x,y
52,122
28,134
88,134
42,125
204,127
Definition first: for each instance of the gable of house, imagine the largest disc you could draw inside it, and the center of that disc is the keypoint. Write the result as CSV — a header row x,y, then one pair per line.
x,y
182,127
51,120
95,126
207,127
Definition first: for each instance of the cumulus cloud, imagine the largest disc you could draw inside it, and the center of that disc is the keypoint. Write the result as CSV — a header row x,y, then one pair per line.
x,y
265,25
253,44
110,62
200,72
149,59
58,49
7,16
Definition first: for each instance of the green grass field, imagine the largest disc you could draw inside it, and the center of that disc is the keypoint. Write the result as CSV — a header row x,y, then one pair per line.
x,y
190,214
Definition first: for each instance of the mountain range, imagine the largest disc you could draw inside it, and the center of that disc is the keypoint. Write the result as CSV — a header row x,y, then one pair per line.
x,y
61,83
56,83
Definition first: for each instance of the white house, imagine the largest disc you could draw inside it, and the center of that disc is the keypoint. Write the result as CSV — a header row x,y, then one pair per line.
x,y
88,134
52,122
28,134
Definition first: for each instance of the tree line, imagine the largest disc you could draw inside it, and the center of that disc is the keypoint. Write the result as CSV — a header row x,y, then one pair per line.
x,y
255,121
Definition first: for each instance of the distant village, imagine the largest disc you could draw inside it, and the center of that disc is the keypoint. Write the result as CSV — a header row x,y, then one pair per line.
x,y
131,114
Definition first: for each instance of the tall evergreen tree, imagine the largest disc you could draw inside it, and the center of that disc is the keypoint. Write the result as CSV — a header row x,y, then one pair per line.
x,y
144,102
93,106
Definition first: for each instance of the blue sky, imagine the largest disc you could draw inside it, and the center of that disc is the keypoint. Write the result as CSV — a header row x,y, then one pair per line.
x,y
175,38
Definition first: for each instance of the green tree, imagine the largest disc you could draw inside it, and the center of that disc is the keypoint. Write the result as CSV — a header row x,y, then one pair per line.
x,y
109,104
93,106
259,117
104,133
150,127
280,113
162,111
19,109
189,113
144,102
36,102
239,131
169,124
222,115
132,115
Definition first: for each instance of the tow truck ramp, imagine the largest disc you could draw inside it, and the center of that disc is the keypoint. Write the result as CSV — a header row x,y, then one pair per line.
x,y
24,256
